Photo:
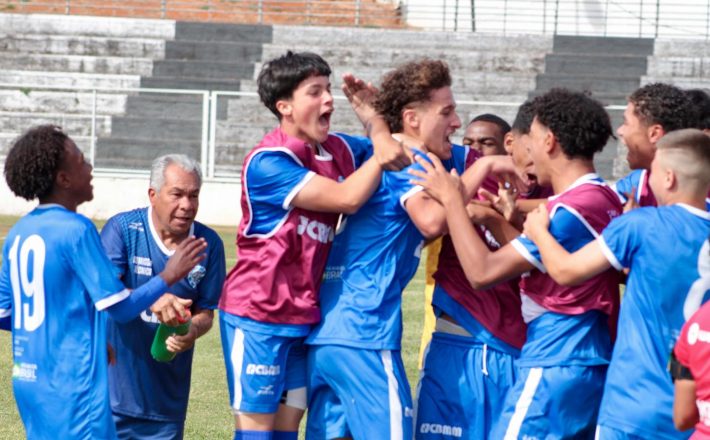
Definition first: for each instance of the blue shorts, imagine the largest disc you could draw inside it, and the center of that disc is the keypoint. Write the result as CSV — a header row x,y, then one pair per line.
x,y
261,367
608,433
462,388
358,393
552,402
128,428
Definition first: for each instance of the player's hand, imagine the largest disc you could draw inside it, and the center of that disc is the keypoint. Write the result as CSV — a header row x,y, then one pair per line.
x,y
171,310
180,343
537,222
480,212
361,96
186,256
441,185
631,202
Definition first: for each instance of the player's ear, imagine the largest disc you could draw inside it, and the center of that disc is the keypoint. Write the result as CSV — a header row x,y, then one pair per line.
x,y
285,107
62,180
670,179
508,142
655,132
410,118
152,193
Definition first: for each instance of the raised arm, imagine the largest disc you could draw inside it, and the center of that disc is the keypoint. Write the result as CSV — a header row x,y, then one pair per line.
x,y
568,269
482,267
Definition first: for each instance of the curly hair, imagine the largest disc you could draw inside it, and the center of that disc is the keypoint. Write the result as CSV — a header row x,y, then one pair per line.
x,y
701,100
33,161
580,123
524,117
408,85
666,105
281,76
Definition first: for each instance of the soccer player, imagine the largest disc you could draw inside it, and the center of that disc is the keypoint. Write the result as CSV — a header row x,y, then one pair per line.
x,y
666,251
485,134
563,362
295,185
690,368
55,279
149,398
469,365
652,111
357,384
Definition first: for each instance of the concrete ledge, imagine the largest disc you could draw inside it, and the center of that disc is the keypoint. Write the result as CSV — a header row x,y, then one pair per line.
x,y
86,25
219,200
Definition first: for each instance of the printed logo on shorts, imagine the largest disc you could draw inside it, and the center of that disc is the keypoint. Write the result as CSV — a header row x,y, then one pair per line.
x,y
263,370
196,275
436,428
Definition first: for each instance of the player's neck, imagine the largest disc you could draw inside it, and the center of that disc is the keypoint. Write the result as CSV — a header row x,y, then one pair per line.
x,y
60,199
566,172
674,198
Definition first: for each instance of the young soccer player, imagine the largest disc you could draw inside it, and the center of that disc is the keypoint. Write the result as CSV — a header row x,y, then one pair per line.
x,y
666,250
479,333
563,362
55,278
357,383
149,398
295,185
652,111
690,368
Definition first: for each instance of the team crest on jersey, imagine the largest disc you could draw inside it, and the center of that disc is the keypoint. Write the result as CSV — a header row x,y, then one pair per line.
x,y
196,275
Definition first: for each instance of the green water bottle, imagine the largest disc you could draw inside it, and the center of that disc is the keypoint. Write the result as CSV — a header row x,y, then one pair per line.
x,y
159,350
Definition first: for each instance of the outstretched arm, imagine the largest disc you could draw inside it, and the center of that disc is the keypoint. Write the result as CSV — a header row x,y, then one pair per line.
x,y
482,267
568,269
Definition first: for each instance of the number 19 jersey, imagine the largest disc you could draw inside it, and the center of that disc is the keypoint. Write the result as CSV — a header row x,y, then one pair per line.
x,y
55,278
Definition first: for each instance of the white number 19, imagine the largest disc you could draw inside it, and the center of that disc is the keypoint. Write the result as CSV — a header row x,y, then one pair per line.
x,y
31,317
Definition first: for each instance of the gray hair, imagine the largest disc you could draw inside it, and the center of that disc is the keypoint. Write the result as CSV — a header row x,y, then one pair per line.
x,y
157,168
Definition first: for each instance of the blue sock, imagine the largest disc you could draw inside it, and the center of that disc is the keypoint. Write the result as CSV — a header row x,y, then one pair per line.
x,y
285,435
253,435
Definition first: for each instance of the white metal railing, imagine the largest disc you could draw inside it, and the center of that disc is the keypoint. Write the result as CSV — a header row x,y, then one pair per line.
x,y
631,18
209,120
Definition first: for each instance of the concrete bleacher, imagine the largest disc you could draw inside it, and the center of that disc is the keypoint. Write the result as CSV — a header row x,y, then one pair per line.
x,y
44,57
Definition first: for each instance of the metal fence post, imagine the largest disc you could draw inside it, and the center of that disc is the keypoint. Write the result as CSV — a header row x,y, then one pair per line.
x,y
205,131
456,16
473,15
260,11
658,15
640,18
443,17
212,145
557,13
357,12
163,7
67,7
92,148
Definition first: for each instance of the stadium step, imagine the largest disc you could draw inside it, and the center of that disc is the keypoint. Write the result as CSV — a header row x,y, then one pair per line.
x,y
591,64
204,69
165,82
77,63
82,45
211,50
74,25
611,46
67,102
138,153
222,32
128,126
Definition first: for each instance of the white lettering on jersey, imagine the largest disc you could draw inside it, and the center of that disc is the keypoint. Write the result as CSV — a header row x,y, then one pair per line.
x,y
24,372
333,273
316,230
28,294
695,334
142,270
704,411
142,266
263,370
436,428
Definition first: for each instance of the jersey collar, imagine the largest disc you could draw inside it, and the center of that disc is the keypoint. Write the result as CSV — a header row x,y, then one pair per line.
x,y
695,211
156,238
592,178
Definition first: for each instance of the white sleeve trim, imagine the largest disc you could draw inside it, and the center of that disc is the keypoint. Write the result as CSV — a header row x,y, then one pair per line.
x,y
406,196
299,186
522,250
4,313
113,299
608,254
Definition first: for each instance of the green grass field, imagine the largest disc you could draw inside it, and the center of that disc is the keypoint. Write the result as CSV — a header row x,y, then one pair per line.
x,y
208,414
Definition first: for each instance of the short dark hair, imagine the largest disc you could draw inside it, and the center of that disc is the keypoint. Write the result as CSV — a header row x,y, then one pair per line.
x,y
701,101
580,123
408,84
33,161
524,117
666,105
493,119
281,76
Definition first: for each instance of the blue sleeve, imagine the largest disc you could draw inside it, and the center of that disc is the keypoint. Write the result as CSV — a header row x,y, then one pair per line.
x,y
622,236
568,230
627,184
360,146
273,178
210,287
5,293
115,248
398,183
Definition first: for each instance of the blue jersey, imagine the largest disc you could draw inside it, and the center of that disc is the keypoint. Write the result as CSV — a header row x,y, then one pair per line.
x,y
374,256
570,325
666,250
55,276
140,386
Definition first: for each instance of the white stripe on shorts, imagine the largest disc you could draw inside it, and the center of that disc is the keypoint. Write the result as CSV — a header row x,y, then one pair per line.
x,y
395,402
523,403
237,359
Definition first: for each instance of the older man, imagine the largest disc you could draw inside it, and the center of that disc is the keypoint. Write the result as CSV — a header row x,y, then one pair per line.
x,y
149,398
